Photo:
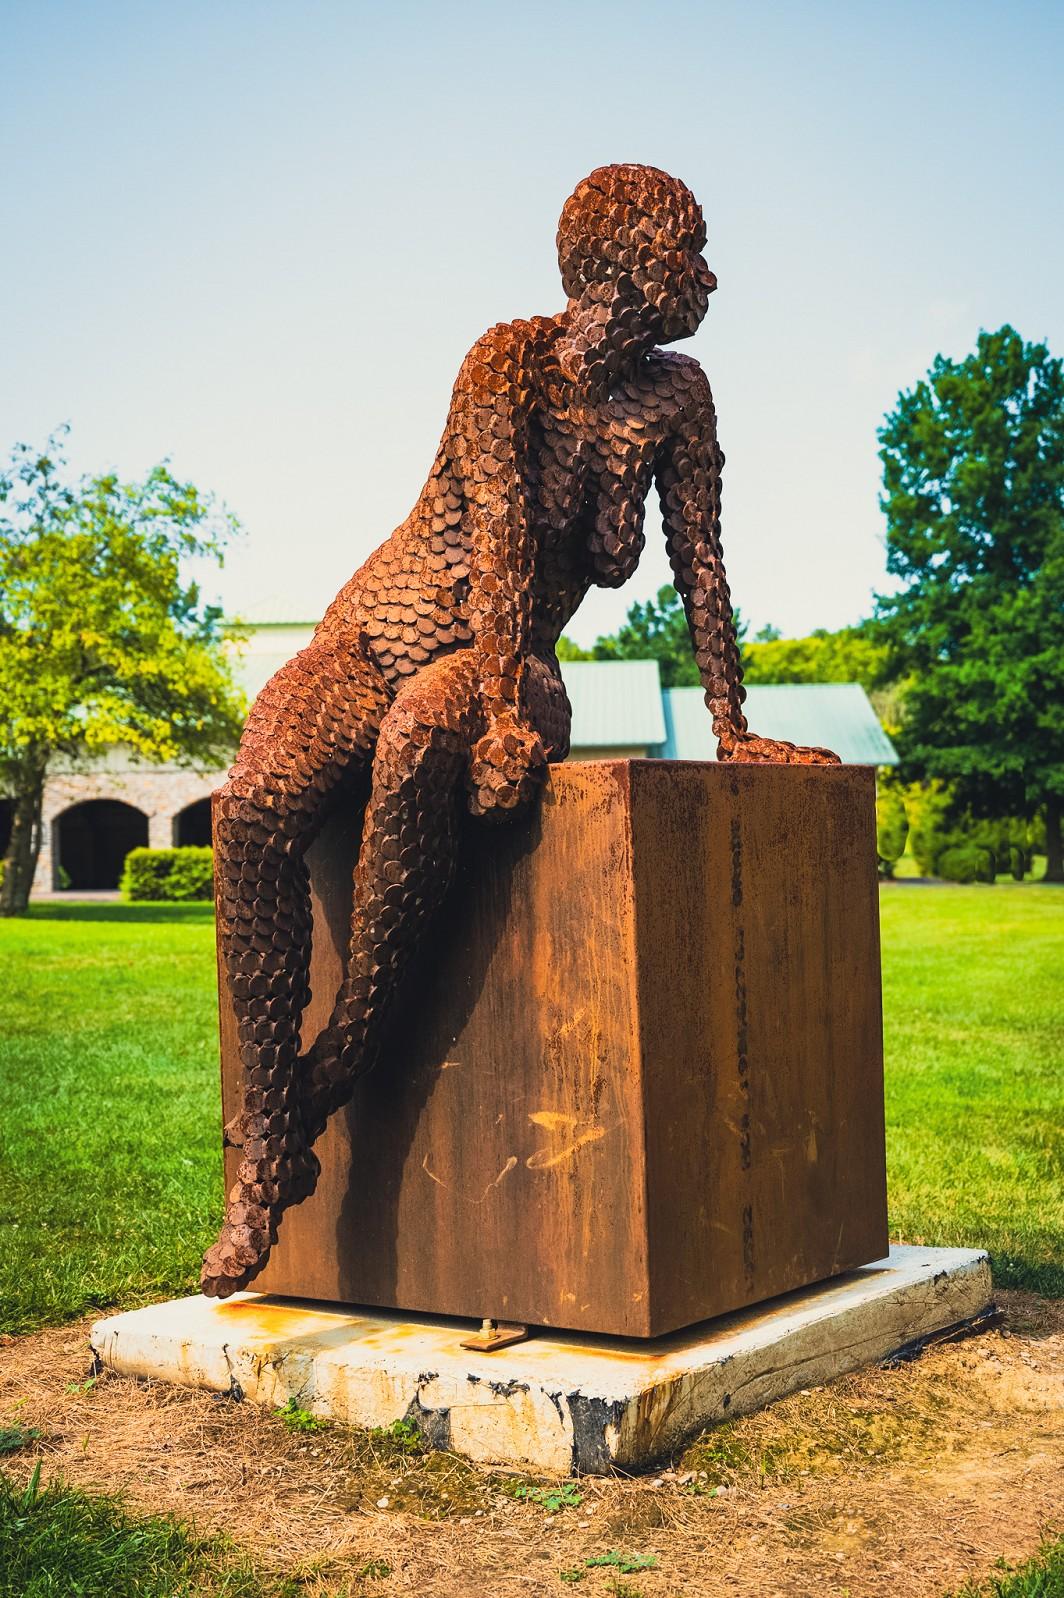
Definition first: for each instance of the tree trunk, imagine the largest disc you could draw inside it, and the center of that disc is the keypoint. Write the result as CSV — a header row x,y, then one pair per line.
x,y
1054,853
23,848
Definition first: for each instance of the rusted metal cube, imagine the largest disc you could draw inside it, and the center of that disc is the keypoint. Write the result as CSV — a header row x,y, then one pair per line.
x,y
637,1077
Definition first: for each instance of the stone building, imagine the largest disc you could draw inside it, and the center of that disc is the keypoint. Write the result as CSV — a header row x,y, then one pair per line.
x,y
94,814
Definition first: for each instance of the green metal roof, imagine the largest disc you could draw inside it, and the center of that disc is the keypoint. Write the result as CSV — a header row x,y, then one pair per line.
x,y
835,715
620,704
616,703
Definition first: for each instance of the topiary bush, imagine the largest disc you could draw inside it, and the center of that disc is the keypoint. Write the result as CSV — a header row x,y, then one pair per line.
x,y
965,862
1019,862
892,826
939,824
927,806
174,876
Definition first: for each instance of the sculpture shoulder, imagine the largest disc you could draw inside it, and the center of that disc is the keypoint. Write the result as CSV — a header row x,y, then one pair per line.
x,y
681,378
503,361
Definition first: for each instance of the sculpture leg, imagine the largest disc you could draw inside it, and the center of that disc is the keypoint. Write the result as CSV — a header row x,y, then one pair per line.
x,y
311,730
405,866
408,855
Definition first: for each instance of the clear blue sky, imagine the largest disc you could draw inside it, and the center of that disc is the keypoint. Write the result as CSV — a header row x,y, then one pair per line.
x,y
259,238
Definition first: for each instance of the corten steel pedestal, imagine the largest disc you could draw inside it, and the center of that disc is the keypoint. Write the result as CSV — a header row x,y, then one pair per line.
x,y
638,1081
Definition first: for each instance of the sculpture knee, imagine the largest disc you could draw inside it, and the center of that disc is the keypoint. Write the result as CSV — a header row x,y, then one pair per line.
x,y
415,753
255,803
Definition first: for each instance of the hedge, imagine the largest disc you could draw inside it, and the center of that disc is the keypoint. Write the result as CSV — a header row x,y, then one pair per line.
x,y
168,874
966,862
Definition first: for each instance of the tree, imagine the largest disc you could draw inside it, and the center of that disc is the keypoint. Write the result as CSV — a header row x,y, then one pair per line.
x,y
854,654
656,629
569,649
102,640
973,492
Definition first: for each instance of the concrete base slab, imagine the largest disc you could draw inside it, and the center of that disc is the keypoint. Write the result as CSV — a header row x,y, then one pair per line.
x,y
558,1403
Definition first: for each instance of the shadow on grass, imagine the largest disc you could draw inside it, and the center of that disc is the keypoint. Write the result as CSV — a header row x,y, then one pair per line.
x,y
1031,1276
114,910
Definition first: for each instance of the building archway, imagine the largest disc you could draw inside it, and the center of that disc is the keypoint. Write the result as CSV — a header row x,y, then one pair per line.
x,y
92,840
192,826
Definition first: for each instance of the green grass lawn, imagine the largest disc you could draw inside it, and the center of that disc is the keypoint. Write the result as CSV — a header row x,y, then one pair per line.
x,y
110,1179
1040,1577
974,1031
57,1541
110,1167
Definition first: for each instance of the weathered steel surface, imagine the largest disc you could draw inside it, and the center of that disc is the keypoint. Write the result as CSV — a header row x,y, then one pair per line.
x,y
431,687
636,1080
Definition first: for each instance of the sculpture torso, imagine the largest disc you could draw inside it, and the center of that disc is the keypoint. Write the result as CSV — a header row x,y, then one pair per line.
x,y
586,469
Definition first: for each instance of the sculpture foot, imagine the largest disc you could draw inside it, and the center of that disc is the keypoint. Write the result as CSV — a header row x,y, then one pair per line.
x,y
749,750
250,1228
227,1267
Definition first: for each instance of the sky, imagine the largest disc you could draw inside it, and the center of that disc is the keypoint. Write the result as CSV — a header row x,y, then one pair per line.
x,y
258,239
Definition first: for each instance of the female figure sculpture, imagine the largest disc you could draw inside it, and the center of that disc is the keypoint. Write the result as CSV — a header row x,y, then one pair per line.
x,y
434,675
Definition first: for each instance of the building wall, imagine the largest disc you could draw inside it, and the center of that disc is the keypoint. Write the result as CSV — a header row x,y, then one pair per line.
x,y
160,792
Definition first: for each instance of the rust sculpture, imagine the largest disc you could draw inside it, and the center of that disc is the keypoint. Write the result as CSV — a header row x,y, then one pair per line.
x,y
433,675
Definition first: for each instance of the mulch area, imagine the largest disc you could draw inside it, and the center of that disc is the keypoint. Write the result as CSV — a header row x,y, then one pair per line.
x,y
906,1480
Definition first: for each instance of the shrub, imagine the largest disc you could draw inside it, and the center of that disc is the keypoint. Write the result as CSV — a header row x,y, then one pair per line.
x,y
966,862
1019,862
892,827
938,826
927,806
173,875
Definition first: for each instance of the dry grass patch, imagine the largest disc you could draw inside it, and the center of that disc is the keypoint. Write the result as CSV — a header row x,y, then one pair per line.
x,y
904,1481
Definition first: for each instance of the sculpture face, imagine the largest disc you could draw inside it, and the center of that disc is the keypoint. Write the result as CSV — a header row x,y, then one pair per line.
x,y
687,297
630,240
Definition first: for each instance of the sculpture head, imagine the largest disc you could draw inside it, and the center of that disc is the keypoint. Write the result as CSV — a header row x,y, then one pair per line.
x,y
632,236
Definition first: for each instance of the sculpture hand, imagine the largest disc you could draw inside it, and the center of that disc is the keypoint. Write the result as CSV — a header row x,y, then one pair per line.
x,y
746,748
507,766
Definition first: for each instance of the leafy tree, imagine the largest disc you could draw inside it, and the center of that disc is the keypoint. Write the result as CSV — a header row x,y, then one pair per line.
x,y
569,649
102,641
973,491
853,654
656,629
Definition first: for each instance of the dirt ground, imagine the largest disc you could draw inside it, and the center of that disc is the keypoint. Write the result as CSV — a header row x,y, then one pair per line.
x,y
905,1480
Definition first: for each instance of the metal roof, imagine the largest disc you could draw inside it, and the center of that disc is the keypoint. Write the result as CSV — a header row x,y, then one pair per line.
x,y
620,704
616,703
836,715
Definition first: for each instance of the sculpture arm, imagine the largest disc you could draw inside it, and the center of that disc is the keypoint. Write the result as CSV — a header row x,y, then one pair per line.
x,y
487,447
689,481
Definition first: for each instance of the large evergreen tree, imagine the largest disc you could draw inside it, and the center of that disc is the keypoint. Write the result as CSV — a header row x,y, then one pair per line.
x,y
973,491
102,640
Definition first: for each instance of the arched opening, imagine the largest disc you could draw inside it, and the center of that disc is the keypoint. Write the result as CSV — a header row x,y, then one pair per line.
x,y
92,840
192,826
